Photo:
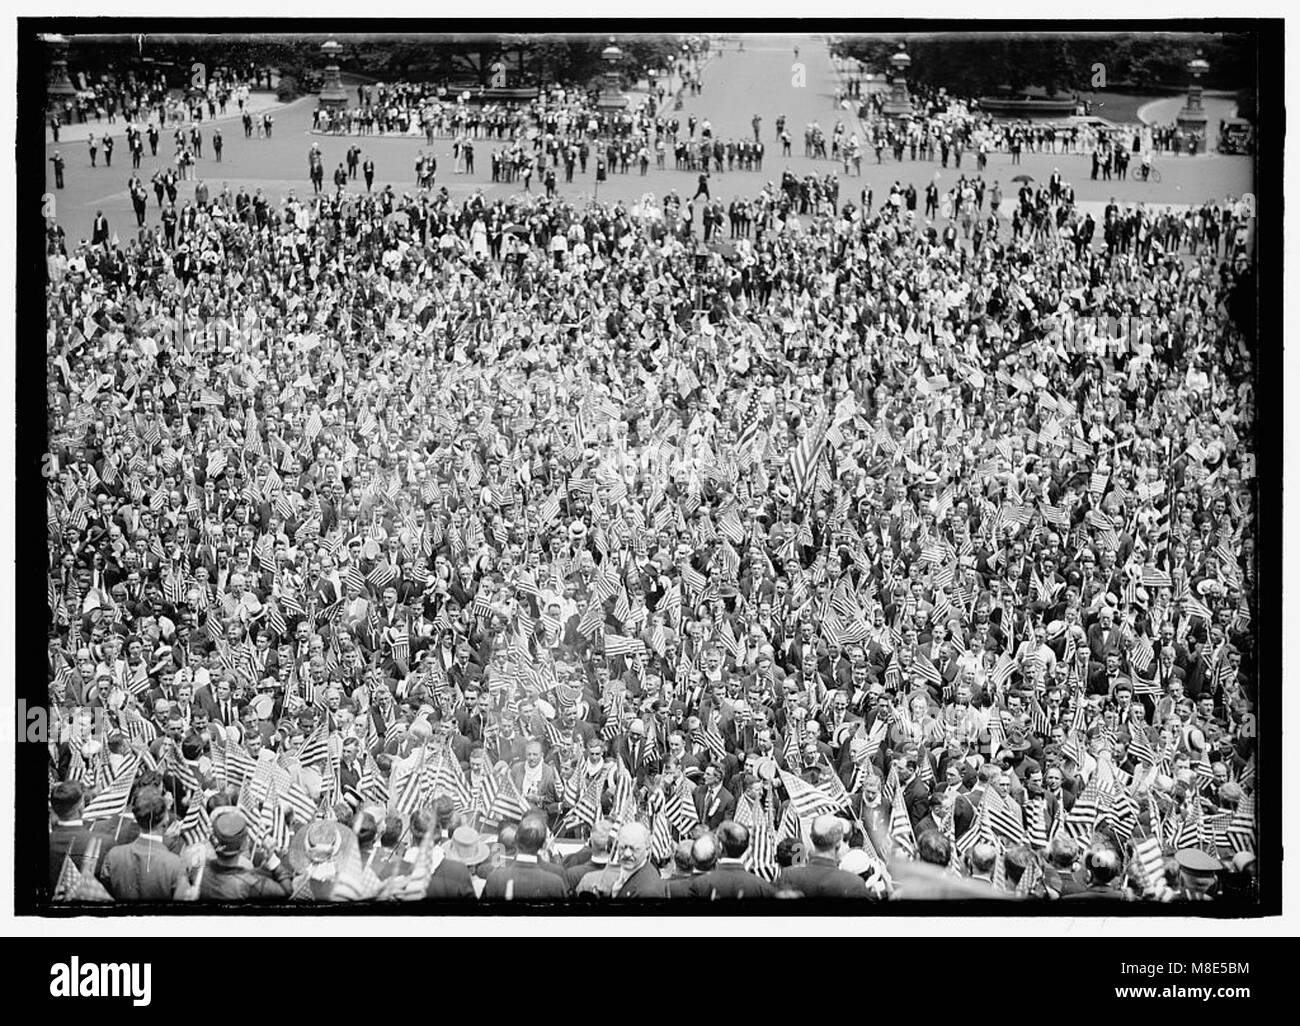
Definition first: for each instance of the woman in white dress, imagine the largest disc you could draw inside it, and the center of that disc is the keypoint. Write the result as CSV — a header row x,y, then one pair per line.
x,y
478,238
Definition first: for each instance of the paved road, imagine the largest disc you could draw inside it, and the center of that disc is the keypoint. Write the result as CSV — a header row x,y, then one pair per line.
x,y
762,79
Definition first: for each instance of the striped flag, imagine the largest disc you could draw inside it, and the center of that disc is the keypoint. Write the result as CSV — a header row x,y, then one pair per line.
x,y
1240,834
900,823
1078,823
806,799
1150,861
617,645
661,835
112,799
749,423
760,857
80,884
1004,817
587,809
680,810
807,455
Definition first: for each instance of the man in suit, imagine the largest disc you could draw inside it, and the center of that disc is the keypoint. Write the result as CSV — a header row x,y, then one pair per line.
x,y
69,835
350,765
713,803
217,701
1103,635
1103,867
386,857
524,879
1059,799
731,879
593,860
99,230
451,879
679,884
469,717
916,792
837,722
145,870
822,876
463,671
966,809
638,877
536,781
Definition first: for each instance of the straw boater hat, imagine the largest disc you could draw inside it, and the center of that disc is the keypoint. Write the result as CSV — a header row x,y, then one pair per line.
x,y
324,850
467,847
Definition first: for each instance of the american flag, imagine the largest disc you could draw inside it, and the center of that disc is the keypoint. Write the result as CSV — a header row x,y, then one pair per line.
x,y
587,809
661,836
1142,654
1139,748
80,884
617,645
1080,820
806,799
406,798
749,424
1005,818
807,455
1240,833
680,810
900,823
112,799
760,857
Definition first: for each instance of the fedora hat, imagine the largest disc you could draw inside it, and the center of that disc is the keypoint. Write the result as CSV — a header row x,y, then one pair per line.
x,y
466,847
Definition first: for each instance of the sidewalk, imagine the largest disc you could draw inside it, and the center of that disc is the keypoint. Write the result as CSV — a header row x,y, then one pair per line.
x,y
259,102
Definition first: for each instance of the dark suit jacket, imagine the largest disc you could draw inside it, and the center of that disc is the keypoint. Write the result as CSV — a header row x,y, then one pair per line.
x,y
349,775
730,880
526,881
207,701
64,841
644,883
965,810
549,790
678,886
451,880
581,865
1054,806
726,802
822,878
143,870
916,796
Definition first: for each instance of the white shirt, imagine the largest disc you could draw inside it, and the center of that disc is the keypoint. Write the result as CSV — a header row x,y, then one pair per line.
x,y
532,784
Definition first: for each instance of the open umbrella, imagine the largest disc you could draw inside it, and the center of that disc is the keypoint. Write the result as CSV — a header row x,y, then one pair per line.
x,y
1023,178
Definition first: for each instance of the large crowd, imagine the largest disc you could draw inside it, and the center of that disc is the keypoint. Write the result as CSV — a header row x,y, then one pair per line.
x,y
406,548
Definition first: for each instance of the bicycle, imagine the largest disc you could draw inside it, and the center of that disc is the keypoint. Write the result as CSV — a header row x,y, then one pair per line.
x,y
1149,174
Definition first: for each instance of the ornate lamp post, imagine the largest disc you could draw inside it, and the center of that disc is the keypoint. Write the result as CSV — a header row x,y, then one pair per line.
x,y
60,87
332,93
611,96
899,104
1192,119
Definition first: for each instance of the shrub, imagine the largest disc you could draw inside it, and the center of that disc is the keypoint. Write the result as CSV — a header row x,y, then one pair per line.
x,y
287,89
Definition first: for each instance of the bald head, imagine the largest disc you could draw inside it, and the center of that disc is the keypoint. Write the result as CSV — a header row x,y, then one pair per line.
x,y
982,858
827,833
704,853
